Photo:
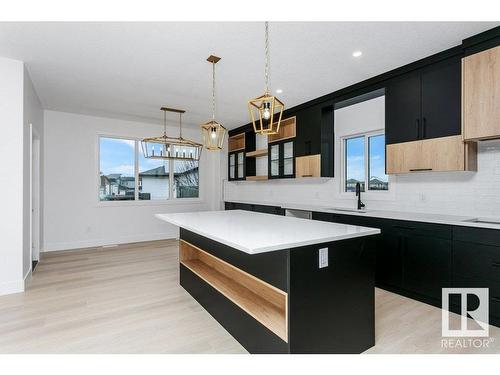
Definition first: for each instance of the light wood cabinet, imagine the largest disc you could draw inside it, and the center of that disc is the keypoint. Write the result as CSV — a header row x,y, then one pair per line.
x,y
236,142
481,95
288,129
308,166
436,155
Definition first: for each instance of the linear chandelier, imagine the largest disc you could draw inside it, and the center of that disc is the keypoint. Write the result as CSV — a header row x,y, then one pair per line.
x,y
266,110
213,132
165,147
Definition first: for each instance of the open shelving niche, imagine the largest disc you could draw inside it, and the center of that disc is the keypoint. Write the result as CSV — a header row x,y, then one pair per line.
x,y
264,302
260,155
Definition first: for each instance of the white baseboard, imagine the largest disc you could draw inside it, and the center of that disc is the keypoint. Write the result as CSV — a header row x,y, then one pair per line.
x,y
100,242
11,287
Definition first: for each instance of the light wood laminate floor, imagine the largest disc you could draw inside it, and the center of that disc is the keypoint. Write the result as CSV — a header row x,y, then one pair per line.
x,y
127,299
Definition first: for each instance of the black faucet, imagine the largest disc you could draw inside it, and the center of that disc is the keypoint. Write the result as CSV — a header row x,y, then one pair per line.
x,y
358,194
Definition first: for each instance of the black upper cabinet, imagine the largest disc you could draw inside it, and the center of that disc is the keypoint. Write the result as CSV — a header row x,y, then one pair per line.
x,y
308,139
239,166
402,109
327,141
281,159
424,104
315,135
441,100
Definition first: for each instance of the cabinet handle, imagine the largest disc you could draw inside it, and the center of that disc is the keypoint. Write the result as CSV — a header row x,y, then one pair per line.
x,y
420,169
495,264
306,175
424,123
496,299
417,127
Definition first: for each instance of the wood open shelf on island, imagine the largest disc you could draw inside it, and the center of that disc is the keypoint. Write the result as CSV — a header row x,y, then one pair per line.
x,y
265,303
257,153
256,178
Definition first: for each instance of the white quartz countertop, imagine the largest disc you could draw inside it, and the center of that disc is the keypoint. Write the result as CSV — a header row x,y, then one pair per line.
x,y
253,232
490,222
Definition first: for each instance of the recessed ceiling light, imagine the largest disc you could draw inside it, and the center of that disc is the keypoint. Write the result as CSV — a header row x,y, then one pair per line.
x,y
279,91
357,54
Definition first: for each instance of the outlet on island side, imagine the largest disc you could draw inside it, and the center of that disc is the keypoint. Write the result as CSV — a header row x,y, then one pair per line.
x,y
323,257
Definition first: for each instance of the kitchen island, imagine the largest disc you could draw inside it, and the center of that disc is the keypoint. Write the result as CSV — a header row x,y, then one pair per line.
x,y
281,284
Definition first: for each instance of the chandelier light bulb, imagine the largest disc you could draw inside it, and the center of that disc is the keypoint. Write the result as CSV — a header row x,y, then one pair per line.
x,y
213,133
266,114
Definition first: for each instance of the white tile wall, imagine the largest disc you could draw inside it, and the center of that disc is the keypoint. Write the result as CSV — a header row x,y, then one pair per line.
x,y
453,193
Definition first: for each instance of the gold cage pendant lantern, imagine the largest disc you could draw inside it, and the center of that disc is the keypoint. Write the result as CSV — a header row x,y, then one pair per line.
x,y
266,110
213,133
171,148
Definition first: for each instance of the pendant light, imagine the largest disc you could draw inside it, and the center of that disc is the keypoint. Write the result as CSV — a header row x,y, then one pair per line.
x,y
165,147
213,133
266,110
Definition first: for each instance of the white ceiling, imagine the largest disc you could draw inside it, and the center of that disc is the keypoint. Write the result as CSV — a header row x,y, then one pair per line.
x,y
129,70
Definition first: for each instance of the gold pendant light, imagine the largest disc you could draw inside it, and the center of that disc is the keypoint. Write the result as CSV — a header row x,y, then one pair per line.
x,y
213,133
165,147
266,110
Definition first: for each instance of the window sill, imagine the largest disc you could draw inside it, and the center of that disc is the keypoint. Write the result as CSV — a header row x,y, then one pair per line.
x,y
165,202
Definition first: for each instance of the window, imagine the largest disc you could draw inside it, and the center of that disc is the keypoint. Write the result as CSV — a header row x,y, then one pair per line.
x,y
364,162
125,174
186,179
154,178
117,169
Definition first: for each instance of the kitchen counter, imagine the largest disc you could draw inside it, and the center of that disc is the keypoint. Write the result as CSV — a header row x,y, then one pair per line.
x,y
254,233
281,284
386,214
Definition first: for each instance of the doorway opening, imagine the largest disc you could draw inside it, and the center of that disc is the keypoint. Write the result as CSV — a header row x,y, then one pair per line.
x,y
35,166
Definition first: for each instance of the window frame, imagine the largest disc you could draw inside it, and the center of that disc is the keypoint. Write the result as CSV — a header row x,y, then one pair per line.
x,y
171,200
343,163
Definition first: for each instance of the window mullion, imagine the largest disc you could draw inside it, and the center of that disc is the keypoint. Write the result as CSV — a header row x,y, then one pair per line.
x,y
367,162
171,179
136,170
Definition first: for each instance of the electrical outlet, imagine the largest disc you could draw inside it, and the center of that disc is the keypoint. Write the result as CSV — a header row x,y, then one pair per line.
x,y
323,257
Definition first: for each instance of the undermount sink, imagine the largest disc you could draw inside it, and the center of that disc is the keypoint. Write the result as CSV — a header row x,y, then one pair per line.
x,y
484,221
349,210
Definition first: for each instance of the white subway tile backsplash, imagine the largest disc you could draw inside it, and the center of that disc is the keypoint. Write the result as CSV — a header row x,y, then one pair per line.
x,y
454,193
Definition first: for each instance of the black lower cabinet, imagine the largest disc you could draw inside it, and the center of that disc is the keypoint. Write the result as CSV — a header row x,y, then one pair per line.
x,y
412,258
389,270
476,264
418,259
274,210
331,308
427,266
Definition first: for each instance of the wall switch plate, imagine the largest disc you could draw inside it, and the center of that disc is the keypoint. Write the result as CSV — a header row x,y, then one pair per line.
x,y
323,257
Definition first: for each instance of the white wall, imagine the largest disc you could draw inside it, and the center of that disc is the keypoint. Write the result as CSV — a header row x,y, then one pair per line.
x,y
72,214
32,114
455,193
11,178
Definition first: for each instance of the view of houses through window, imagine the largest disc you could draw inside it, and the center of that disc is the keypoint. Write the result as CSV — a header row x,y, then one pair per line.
x,y
364,162
156,179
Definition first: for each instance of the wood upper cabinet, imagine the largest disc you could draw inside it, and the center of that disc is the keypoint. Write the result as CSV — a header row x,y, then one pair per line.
x,y
437,155
308,166
287,130
481,95
424,104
